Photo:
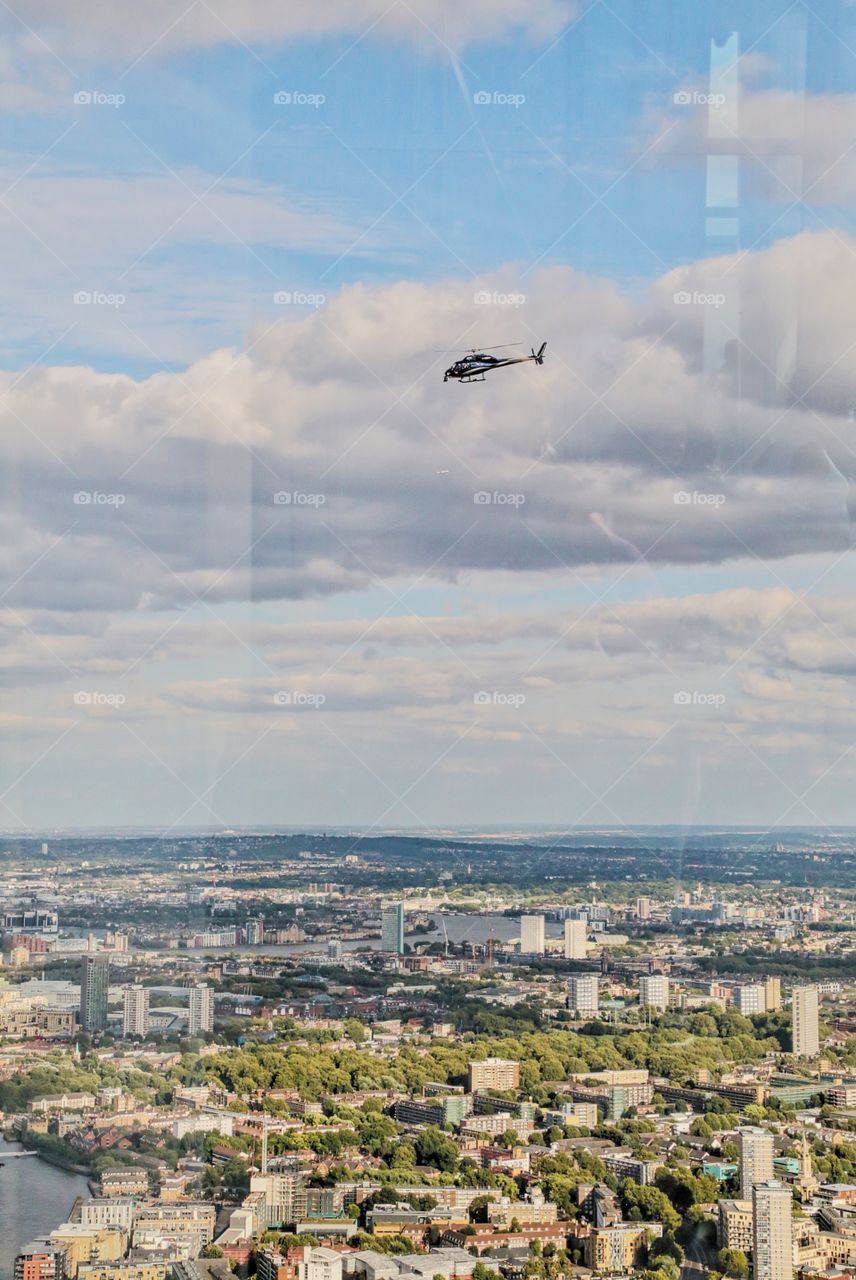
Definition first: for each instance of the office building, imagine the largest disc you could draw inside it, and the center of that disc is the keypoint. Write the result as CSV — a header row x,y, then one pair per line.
x,y
575,940
392,928
93,993
135,1010
751,998
643,908
493,1073
583,993
532,935
654,991
805,1029
756,1159
200,1015
772,1247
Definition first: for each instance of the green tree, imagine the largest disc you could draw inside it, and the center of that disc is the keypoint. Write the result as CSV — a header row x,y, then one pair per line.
x,y
733,1262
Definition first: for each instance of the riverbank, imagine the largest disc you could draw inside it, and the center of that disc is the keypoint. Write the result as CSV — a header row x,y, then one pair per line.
x,y
50,1150
35,1196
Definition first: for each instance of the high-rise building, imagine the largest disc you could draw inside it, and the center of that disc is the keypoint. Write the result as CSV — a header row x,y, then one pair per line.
x,y
493,1073
284,1195
135,1010
756,1159
575,940
392,928
750,998
200,1015
254,932
583,993
654,991
805,1030
773,994
643,908
772,1250
93,993
532,935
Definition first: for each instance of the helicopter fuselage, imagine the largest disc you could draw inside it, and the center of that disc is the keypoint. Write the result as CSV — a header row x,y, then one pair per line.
x,y
473,367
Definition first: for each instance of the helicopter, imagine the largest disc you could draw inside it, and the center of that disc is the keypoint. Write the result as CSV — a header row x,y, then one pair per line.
x,y
475,364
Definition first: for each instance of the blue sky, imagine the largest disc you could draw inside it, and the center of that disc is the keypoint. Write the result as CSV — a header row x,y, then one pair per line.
x,y
667,188
486,184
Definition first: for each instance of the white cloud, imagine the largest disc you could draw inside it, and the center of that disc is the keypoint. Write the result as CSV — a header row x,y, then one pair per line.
x,y
640,444
625,446
795,146
92,28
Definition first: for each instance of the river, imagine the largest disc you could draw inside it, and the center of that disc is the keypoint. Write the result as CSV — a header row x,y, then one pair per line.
x,y
35,1197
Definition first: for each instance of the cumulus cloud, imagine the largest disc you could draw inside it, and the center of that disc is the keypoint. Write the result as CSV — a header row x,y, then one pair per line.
x,y
330,455
286,517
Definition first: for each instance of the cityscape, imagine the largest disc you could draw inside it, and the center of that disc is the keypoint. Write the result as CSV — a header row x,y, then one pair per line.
x,y
251,1056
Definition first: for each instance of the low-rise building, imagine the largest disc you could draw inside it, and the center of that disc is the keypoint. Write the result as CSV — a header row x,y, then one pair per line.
x,y
621,1247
